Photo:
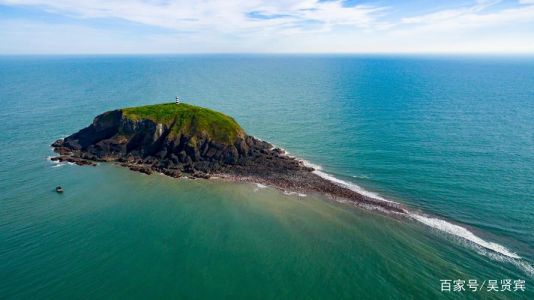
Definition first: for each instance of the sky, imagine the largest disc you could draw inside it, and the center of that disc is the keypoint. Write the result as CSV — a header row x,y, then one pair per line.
x,y
257,26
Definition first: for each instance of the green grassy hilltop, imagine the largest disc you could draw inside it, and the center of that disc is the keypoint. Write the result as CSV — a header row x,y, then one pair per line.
x,y
189,120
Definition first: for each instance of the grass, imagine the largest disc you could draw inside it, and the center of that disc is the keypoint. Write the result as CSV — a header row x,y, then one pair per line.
x,y
189,120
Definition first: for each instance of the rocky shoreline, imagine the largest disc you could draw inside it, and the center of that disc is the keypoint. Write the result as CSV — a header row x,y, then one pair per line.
x,y
147,146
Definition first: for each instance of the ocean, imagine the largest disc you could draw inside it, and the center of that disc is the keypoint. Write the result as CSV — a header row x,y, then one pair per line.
x,y
451,138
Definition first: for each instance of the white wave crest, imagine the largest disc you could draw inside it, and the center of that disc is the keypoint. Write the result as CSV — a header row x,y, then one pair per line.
x,y
520,264
311,165
351,186
464,233
294,193
259,186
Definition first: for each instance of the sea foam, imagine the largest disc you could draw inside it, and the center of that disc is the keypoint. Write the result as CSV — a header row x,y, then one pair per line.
x,y
318,170
294,193
462,232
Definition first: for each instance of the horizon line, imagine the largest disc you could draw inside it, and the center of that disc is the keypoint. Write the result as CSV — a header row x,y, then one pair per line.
x,y
275,53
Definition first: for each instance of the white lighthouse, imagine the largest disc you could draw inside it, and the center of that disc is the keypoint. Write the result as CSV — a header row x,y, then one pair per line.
x,y
177,100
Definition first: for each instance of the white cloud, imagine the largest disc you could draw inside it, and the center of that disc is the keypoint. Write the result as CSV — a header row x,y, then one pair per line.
x,y
215,15
470,17
270,26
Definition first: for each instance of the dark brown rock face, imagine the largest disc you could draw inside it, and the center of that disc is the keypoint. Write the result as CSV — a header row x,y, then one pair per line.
x,y
146,146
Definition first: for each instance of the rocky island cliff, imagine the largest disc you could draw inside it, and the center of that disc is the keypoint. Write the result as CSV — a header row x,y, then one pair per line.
x,y
187,140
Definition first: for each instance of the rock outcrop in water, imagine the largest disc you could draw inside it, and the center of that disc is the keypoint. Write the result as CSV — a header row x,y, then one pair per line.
x,y
186,140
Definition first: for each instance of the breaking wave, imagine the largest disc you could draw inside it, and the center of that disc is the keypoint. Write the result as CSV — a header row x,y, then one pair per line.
x,y
462,232
294,193
259,186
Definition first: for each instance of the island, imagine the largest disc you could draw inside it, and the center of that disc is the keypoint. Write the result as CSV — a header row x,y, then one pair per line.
x,y
179,139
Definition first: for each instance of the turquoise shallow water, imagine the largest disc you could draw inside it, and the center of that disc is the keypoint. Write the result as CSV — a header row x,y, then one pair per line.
x,y
449,137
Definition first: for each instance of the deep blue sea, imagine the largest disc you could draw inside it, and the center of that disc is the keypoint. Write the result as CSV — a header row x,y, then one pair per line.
x,y
452,138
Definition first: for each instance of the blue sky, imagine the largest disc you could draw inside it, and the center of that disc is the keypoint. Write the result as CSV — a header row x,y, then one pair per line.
x,y
256,26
